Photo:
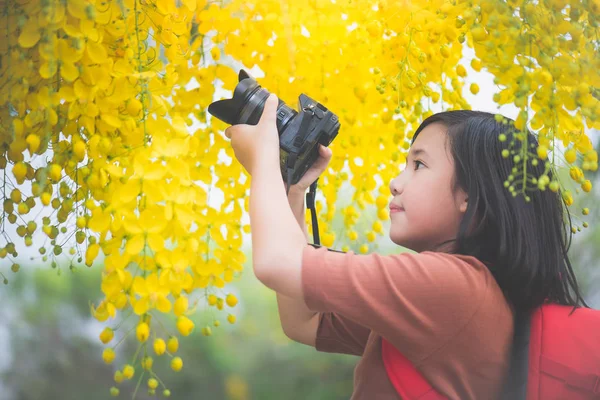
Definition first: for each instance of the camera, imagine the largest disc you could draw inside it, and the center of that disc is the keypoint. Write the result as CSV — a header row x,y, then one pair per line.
x,y
300,132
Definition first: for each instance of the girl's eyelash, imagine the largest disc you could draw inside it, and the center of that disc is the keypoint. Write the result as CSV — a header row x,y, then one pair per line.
x,y
417,161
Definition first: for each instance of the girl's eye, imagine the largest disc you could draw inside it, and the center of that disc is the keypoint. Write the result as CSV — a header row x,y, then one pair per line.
x,y
417,163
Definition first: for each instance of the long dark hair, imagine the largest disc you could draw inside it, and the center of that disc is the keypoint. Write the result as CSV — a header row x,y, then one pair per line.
x,y
524,244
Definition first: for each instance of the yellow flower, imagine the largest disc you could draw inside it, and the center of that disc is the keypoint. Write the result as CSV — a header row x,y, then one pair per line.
x,y
128,371
586,186
152,295
567,197
91,253
212,299
108,355
159,346
328,239
30,35
142,332
152,383
79,150
172,344
147,363
571,155
181,305
215,53
374,29
184,325
576,173
479,33
15,195
19,171
231,300
176,364
118,376
81,222
33,141
377,227
106,335
371,236
46,197
206,331
444,51
54,172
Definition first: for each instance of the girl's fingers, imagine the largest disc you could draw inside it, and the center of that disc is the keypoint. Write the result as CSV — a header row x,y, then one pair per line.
x,y
321,164
325,151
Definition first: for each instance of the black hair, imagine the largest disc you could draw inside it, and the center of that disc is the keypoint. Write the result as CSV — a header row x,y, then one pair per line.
x,y
523,243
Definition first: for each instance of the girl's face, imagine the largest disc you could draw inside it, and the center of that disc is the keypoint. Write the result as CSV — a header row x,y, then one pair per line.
x,y
425,211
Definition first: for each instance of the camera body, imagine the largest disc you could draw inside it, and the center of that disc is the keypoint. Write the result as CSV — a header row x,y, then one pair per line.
x,y
300,132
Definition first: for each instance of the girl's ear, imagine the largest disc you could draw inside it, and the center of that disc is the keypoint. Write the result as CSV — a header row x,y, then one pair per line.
x,y
463,205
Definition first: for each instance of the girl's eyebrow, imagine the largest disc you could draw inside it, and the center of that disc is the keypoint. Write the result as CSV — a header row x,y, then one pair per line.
x,y
417,152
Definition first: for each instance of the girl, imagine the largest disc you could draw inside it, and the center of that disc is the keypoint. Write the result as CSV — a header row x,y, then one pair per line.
x,y
482,254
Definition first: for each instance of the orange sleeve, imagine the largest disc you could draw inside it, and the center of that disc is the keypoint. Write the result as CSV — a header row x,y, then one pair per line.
x,y
338,334
416,301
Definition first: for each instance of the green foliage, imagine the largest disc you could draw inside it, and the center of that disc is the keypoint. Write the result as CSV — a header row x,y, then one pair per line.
x,y
56,351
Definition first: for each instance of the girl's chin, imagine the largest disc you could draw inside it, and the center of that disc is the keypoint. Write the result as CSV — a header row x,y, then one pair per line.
x,y
401,239
398,239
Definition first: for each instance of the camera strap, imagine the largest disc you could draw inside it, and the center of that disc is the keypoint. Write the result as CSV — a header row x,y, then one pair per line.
x,y
310,196
310,204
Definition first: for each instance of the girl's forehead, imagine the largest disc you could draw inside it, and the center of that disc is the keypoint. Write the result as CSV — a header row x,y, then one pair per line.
x,y
431,138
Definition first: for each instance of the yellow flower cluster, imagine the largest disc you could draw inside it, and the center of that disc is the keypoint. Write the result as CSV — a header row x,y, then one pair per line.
x,y
103,112
551,78
96,115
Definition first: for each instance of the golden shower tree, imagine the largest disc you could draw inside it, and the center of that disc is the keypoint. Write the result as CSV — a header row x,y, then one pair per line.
x,y
106,145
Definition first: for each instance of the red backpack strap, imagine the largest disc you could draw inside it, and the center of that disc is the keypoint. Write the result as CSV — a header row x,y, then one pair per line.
x,y
407,380
589,382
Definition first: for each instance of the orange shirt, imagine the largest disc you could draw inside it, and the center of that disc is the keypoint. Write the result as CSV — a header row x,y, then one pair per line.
x,y
444,312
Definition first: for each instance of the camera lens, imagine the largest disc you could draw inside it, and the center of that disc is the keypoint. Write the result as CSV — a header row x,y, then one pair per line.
x,y
247,104
253,106
253,109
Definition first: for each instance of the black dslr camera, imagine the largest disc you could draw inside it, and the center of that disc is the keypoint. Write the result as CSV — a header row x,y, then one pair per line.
x,y
299,132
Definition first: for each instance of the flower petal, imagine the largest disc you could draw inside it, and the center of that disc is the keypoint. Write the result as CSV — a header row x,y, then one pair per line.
x,y
163,304
135,244
141,306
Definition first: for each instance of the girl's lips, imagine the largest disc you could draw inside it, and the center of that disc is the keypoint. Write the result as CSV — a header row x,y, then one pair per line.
x,y
395,209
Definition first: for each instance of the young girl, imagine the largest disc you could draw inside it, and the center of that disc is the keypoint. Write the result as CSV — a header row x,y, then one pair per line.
x,y
482,254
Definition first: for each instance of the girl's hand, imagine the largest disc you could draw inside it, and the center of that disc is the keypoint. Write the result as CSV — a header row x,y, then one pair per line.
x,y
257,143
314,171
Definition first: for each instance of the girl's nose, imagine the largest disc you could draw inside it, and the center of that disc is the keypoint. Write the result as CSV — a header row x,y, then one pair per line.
x,y
395,186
